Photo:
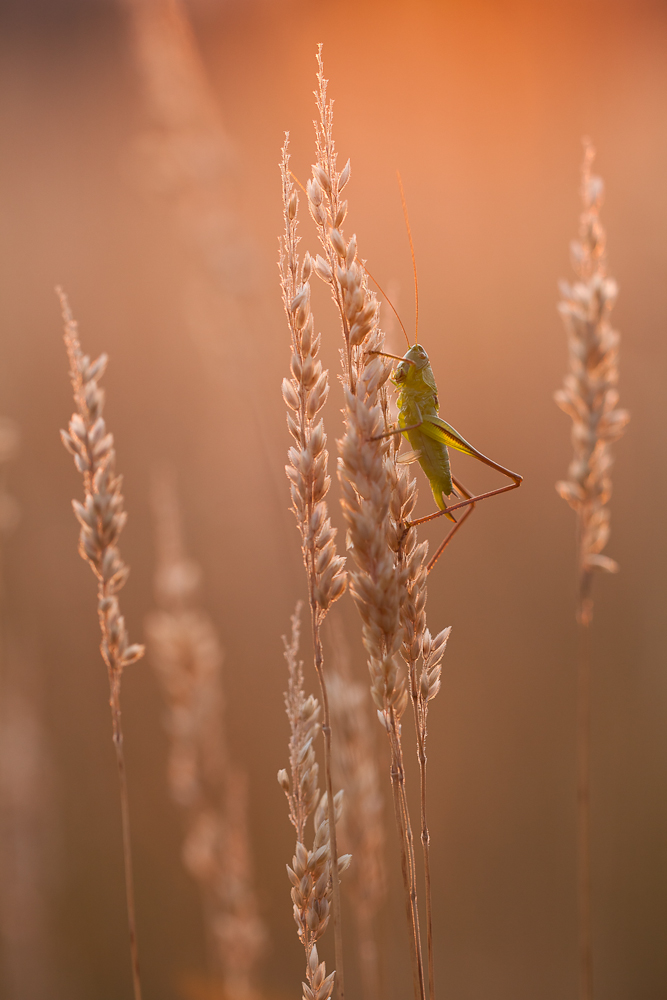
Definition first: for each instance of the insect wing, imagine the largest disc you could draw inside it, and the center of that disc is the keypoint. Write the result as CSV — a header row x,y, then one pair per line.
x,y
440,430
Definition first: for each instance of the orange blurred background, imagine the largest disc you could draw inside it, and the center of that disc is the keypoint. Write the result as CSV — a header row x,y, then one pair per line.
x,y
482,106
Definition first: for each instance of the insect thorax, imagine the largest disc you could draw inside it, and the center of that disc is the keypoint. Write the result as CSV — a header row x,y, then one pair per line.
x,y
417,390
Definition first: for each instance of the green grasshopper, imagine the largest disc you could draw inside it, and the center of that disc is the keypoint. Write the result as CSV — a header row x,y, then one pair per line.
x,y
429,435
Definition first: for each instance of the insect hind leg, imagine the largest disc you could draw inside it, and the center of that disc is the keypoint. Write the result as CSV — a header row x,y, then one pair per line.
x,y
448,537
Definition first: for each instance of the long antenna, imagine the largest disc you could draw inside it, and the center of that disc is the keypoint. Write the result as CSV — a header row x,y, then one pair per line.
x,y
295,178
376,283
388,301
412,251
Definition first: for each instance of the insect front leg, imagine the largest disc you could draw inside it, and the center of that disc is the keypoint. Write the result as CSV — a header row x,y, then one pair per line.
x,y
397,430
402,430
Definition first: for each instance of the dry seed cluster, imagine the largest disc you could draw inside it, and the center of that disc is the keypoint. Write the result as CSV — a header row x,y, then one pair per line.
x,y
311,871
376,583
304,719
590,395
310,876
319,985
412,556
433,651
425,683
339,268
305,394
101,516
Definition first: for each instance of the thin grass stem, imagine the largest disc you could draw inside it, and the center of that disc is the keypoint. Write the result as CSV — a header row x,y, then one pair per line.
x,y
584,812
127,841
425,836
333,842
407,862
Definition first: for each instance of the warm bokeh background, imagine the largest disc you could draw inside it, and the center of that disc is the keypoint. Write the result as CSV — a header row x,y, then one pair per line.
x,y
482,105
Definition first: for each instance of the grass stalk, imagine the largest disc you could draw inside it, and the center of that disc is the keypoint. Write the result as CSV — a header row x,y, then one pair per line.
x,y
305,394
425,841
376,499
408,872
424,686
127,840
388,571
590,397
426,845
333,842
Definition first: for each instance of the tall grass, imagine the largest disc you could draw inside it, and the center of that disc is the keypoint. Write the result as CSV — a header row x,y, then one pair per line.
x,y
305,394
388,566
102,518
590,397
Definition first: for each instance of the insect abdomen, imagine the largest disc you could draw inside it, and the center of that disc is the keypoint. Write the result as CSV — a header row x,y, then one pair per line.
x,y
434,460
437,470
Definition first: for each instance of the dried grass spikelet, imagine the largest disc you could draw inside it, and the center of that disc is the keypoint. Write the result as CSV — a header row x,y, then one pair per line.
x,y
102,518
311,873
305,394
590,395
186,654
